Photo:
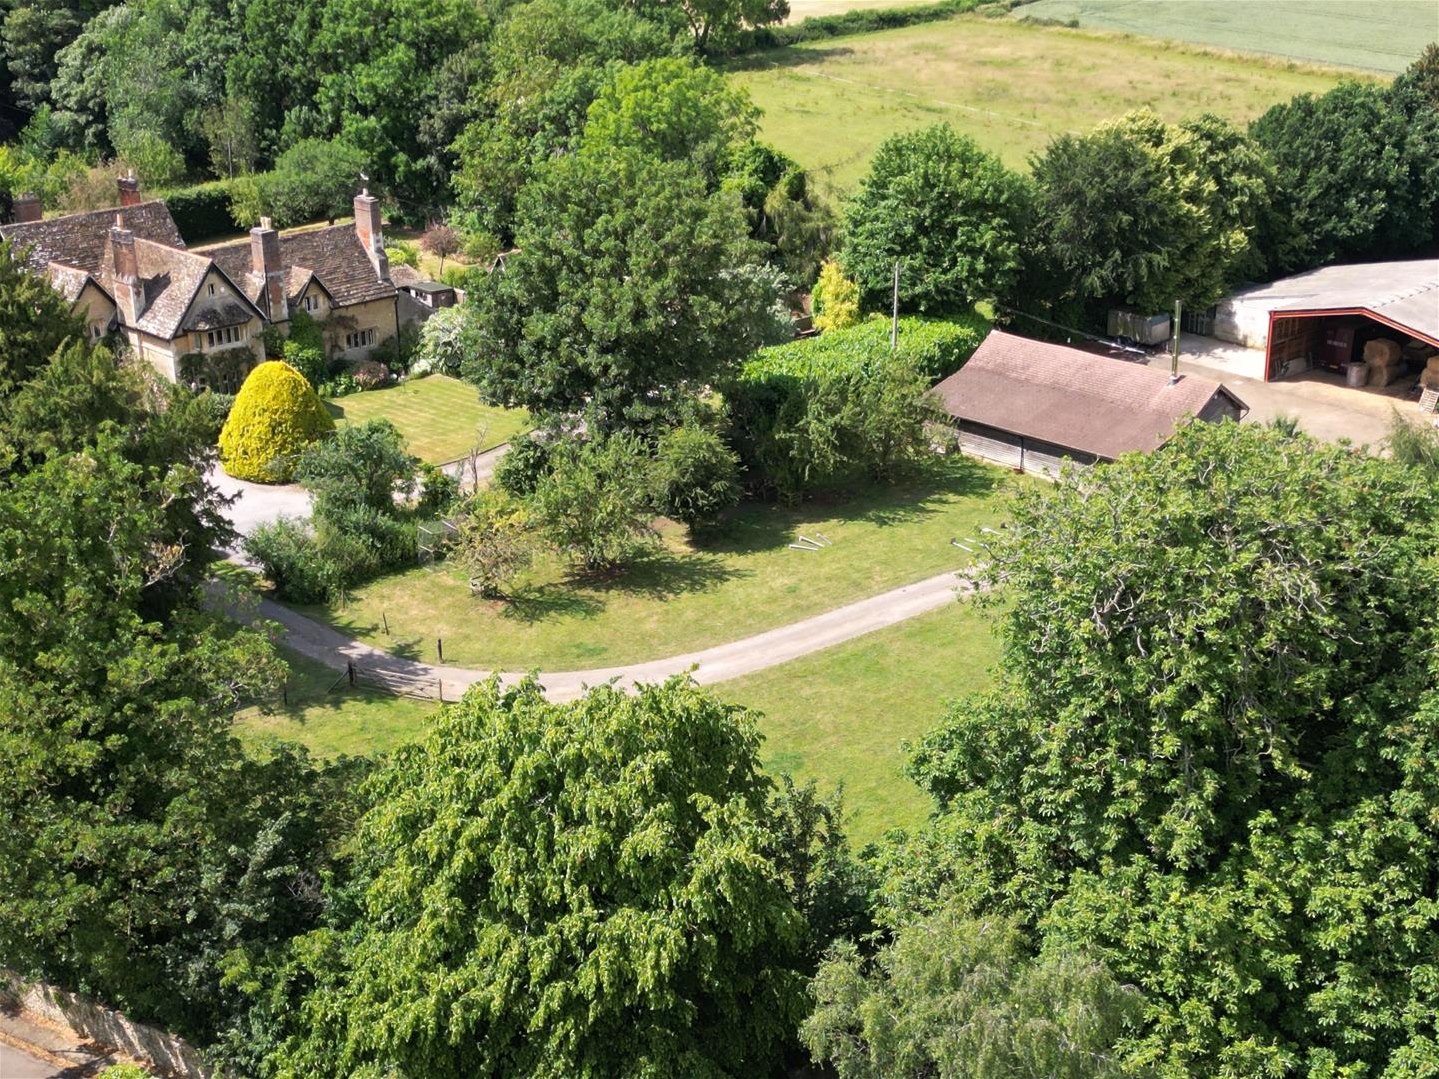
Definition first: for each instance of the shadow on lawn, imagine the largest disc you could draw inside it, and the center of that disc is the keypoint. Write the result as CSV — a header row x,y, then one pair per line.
x,y
917,494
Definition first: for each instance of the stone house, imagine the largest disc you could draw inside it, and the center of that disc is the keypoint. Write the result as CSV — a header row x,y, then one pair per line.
x,y
199,315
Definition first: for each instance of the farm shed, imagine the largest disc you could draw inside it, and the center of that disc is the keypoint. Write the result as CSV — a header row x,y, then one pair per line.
x,y
1327,317
1030,405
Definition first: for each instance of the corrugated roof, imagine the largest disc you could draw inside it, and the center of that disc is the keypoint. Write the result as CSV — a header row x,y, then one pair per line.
x,y
79,240
1071,398
335,256
1405,292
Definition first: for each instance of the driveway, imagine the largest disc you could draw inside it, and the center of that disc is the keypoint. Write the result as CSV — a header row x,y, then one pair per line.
x,y
258,504
15,1064
1319,400
720,663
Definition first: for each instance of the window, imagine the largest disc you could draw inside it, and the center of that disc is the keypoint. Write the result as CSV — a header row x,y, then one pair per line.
x,y
312,302
210,338
211,287
97,330
360,339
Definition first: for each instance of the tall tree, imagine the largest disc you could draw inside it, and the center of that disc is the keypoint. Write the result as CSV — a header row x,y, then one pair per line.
x,y
576,889
1206,769
952,215
622,299
1356,176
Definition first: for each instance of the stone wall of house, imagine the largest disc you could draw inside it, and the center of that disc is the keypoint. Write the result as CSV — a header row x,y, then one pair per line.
x,y
377,315
166,1053
96,310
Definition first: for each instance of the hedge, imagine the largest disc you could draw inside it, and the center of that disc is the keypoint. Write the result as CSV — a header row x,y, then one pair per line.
x,y
859,21
203,212
275,415
937,347
814,413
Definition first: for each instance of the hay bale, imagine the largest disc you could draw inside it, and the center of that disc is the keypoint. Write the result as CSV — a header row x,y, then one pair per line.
x,y
1381,350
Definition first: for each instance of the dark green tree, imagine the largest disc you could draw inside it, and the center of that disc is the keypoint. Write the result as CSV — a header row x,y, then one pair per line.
x,y
1356,176
1204,768
624,296
560,889
596,500
952,215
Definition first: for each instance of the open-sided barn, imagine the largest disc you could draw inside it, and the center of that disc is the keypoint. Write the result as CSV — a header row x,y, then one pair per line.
x,y
1325,318
1031,405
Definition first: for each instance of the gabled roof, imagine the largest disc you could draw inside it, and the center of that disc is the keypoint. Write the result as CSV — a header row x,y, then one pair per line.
x,y
335,256
171,278
1072,399
70,282
79,240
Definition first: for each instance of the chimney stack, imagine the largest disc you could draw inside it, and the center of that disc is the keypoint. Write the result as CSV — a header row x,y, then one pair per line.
x,y
265,262
370,232
129,188
129,292
26,207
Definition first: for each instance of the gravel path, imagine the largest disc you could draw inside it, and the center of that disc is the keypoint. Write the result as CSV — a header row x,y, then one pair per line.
x,y
335,650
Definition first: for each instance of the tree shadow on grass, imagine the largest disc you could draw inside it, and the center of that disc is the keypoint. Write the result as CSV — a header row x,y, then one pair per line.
x,y
543,602
916,494
789,56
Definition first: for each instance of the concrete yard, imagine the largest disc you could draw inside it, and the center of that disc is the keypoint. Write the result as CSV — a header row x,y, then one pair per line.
x,y
1319,400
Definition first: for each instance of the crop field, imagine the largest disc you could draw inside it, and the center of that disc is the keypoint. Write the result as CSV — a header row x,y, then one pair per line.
x,y
1011,86
799,10
1376,35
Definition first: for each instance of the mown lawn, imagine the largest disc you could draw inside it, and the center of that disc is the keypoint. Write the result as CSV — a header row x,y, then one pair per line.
x,y
332,721
1011,86
679,598
839,716
441,418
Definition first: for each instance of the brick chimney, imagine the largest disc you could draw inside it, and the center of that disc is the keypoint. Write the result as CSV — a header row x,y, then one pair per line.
x,y
370,232
129,188
26,207
129,290
265,262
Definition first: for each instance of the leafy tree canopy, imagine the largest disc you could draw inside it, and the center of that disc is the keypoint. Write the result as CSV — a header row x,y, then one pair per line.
x,y
1357,175
949,213
959,998
1202,761
624,297
561,890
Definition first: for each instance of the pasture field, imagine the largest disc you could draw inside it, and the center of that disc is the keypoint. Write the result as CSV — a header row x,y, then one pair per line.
x,y
1010,85
441,418
1373,35
799,10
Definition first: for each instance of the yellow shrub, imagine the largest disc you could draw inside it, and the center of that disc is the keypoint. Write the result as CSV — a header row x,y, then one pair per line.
x,y
836,298
275,415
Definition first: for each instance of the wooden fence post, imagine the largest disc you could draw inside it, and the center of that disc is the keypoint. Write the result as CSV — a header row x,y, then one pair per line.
x,y
440,648
386,620
350,670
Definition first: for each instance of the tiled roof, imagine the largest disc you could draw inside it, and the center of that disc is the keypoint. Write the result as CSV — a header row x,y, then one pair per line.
x,y
79,240
1071,398
67,280
171,277
334,254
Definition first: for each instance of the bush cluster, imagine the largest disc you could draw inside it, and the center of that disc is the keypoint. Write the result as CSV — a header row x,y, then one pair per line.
x,y
357,529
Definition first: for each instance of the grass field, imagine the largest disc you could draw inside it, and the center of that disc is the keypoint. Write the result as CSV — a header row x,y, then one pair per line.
x,y
744,581
799,10
839,716
332,722
1010,85
1376,35
440,417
